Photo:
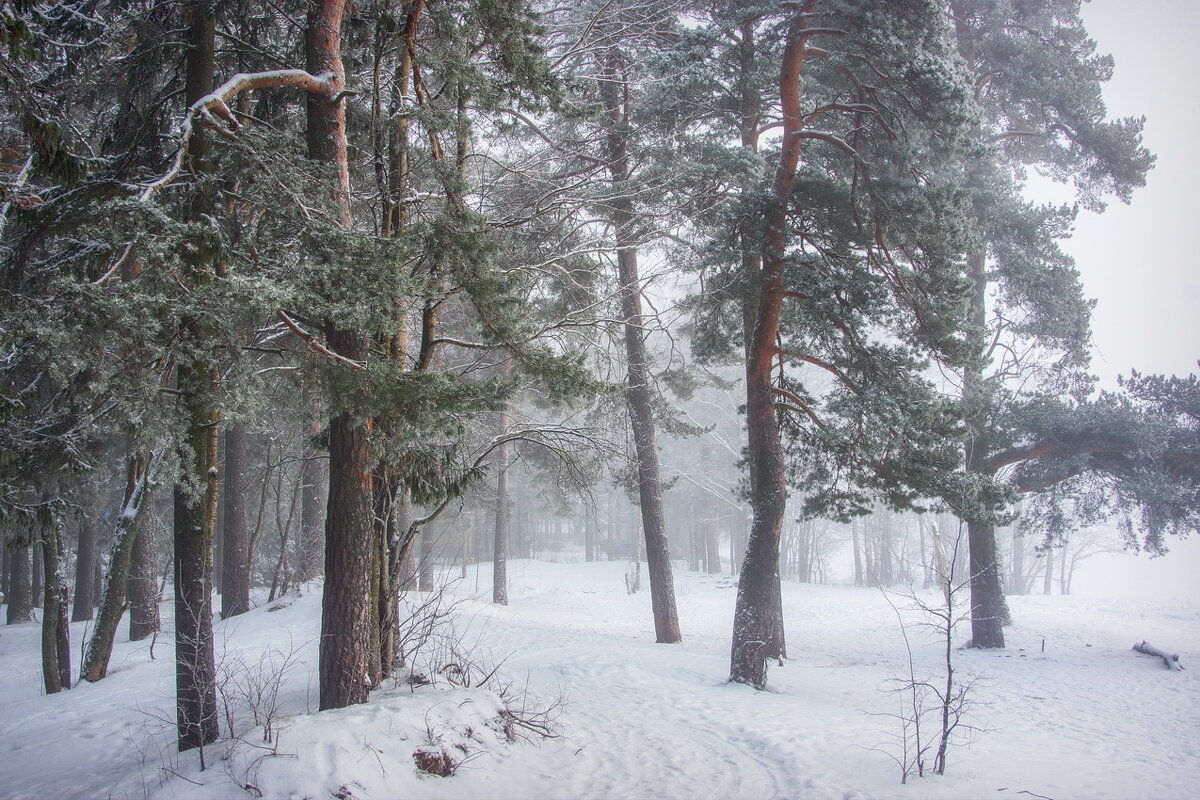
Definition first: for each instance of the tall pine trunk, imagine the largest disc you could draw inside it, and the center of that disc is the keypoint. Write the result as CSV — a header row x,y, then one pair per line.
x,y
758,613
345,608
989,610
235,568
500,540
56,642
195,500
84,602
638,390
142,589
20,585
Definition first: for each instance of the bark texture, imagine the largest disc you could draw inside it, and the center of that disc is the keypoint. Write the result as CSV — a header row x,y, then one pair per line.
x,y
56,633
142,589
196,500
235,568
345,610
138,487
500,541
758,614
638,390
84,602
20,587
989,609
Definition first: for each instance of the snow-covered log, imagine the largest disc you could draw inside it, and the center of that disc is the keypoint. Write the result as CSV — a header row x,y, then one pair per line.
x,y
1170,659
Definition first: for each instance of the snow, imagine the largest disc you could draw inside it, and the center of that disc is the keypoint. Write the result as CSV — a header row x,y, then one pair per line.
x,y
1084,718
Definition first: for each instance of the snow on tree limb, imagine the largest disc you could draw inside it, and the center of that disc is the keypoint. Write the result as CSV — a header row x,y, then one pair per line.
x,y
213,110
315,345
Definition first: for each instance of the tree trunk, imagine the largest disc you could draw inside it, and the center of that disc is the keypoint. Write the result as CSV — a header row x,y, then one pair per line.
x,y
758,614
84,602
310,548
235,596
20,585
5,566
856,547
712,545
37,570
378,589
138,488
591,526
194,518
142,588
345,608
988,607
427,563
1048,578
196,504
500,546
1019,583
409,559
56,632
638,389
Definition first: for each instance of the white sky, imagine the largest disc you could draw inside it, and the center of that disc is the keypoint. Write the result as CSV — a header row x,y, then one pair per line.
x,y
1139,261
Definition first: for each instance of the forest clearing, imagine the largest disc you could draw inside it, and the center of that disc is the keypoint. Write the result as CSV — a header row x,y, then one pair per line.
x,y
1085,718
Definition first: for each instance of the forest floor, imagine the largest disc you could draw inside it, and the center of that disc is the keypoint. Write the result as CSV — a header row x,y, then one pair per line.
x,y
1085,717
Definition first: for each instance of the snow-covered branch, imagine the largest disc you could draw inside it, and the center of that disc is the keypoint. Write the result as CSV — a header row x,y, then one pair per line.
x,y
213,110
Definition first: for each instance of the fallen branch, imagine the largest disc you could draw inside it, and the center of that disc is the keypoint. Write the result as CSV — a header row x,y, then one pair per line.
x,y
1170,659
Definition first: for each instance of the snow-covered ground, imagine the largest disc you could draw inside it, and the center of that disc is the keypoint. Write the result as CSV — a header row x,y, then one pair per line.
x,y
1086,717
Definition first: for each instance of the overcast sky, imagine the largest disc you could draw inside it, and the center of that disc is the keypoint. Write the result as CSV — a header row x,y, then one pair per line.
x,y
1140,261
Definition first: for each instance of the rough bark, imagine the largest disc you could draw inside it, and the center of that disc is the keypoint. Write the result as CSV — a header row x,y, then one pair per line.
x,y
311,522
500,542
195,499
345,608
235,571
194,517
5,566
84,602
638,390
36,584
758,622
138,488
989,609
56,632
20,586
142,589
345,635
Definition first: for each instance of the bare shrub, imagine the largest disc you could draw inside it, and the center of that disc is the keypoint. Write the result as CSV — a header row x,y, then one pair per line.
x,y
933,708
255,689
431,645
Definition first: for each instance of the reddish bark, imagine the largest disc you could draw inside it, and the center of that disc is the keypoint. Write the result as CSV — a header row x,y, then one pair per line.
x,y
757,627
